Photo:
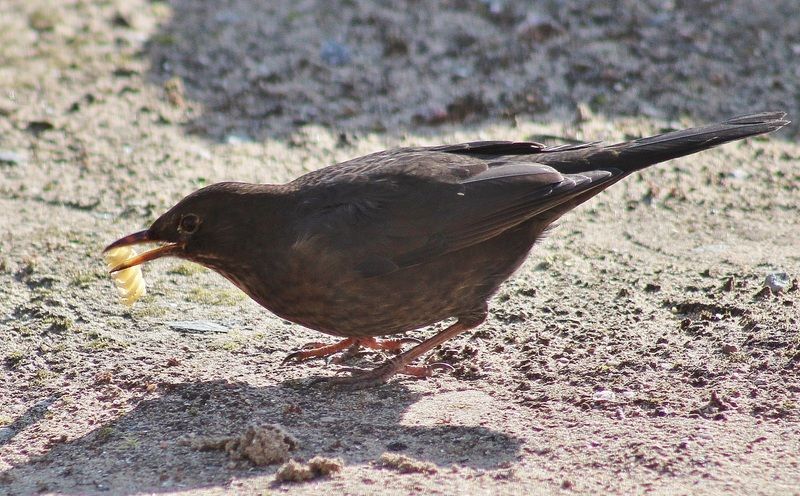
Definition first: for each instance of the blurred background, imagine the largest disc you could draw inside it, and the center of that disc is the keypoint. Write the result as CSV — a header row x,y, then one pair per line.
x,y
254,68
266,67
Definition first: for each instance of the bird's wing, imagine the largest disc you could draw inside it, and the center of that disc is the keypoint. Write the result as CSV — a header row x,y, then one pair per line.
x,y
423,204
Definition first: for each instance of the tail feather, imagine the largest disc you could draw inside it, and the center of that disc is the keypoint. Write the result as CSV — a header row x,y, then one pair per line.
x,y
638,154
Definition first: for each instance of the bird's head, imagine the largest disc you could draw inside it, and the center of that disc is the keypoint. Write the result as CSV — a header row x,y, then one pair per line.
x,y
208,226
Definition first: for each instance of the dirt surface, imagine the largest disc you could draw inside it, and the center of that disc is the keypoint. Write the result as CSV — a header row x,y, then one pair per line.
x,y
636,352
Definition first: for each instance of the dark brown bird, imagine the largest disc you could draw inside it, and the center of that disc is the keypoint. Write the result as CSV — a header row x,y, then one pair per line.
x,y
401,239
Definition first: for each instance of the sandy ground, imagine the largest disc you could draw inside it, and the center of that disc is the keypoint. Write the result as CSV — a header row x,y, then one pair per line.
x,y
636,351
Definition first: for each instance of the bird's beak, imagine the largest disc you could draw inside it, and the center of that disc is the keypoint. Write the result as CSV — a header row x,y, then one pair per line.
x,y
140,237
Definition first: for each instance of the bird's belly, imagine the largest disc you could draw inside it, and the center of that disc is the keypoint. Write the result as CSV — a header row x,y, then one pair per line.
x,y
405,299
377,306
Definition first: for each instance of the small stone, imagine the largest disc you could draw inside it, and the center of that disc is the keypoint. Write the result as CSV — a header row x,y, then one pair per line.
x,y
729,349
8,157
777,282
604,395
738,174
6,433
334,53
237,139
197,327
38,127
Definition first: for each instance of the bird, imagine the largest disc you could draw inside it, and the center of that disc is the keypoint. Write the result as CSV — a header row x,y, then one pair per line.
x,y
404,238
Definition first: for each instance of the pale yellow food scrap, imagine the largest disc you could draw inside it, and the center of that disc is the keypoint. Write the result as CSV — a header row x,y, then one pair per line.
x,y
130,283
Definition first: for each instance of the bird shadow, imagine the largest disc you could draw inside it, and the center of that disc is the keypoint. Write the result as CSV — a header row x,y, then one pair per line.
x,y
144,445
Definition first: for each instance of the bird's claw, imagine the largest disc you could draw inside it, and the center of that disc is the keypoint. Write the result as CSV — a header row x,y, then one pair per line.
x,y
296,356
362,379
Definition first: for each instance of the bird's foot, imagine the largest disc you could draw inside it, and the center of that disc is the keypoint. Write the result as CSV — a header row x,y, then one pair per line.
x,y
350,345
360,379
319,350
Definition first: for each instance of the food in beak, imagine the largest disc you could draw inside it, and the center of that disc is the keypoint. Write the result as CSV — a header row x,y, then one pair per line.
x,y
130,283
123,262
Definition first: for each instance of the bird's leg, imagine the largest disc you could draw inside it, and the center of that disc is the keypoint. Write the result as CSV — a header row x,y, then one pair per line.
x,y
319,350
401,364
392,345
395,345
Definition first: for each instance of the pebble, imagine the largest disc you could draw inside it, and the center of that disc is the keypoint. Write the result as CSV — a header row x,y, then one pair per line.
x,y
197,327
8,157
237,139
777,281
738,174
334,53
6,433
729,349
604,395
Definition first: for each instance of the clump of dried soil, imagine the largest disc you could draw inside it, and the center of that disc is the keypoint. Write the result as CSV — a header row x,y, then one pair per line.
x,y
293,471
405,464
261,445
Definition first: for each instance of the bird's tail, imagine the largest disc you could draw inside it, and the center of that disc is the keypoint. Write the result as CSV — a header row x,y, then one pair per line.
x,y
638,154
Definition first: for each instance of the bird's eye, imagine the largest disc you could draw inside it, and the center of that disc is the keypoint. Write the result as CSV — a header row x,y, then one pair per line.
x,y
189,224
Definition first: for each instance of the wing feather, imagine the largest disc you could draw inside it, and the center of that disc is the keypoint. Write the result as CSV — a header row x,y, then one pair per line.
x,y
390,219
